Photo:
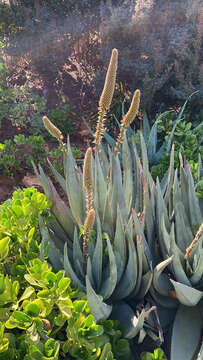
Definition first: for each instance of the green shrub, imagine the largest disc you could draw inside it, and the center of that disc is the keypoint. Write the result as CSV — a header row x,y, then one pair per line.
x,y
19,224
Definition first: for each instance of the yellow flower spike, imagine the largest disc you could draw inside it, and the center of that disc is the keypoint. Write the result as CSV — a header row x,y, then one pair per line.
x,y
110,81
128,119
87,170
89,221
106,96
52,129
133,110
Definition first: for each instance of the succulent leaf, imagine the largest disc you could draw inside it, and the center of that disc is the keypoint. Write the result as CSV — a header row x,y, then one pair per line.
x,y
187,295
99,309
186,333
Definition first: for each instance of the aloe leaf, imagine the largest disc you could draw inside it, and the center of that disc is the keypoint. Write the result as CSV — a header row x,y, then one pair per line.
x,y
152,142
116,187
187,295
183,238
200,167
146,127
140,250
107,220
160,153
109,285
139,232
58,176
74,189
177,265
100,187
144,156
184,189
145,285
59,209
104,162
194,209
54,253
165,244
164,182
186,333
198,273
127,175
99,309
77,255
90,273
128,281
170,177
200,354
109,139
138,184
161,212
98,257
161,281
119,246
125,314
163,301
70,271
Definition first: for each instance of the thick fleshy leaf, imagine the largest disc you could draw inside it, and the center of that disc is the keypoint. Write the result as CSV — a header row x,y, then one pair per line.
x,y
116,190
47,242
186,333
163,301
60,210
119,246
109,285
99,309
70,271
74,189
161,280
100,188
194,209
128,281
187,295
178,269
133,324
127,175
198,273
183,238
97,259
139,232
170,177
77,256
58,176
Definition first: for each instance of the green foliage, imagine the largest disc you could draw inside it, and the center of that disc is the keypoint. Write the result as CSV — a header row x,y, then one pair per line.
x,y
50,318
20,229
157,355
22,151
187,141
62,117
19,104
42,316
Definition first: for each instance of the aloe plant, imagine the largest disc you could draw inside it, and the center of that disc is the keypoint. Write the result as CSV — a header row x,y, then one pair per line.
x,y
99,237
179,230
121,234
118,261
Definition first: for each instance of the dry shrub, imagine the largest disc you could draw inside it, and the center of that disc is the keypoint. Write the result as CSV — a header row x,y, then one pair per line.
x,y
160,47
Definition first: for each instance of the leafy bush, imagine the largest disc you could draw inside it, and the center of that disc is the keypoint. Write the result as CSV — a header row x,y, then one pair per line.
x,y
20,226
42,316
19,104
24,150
